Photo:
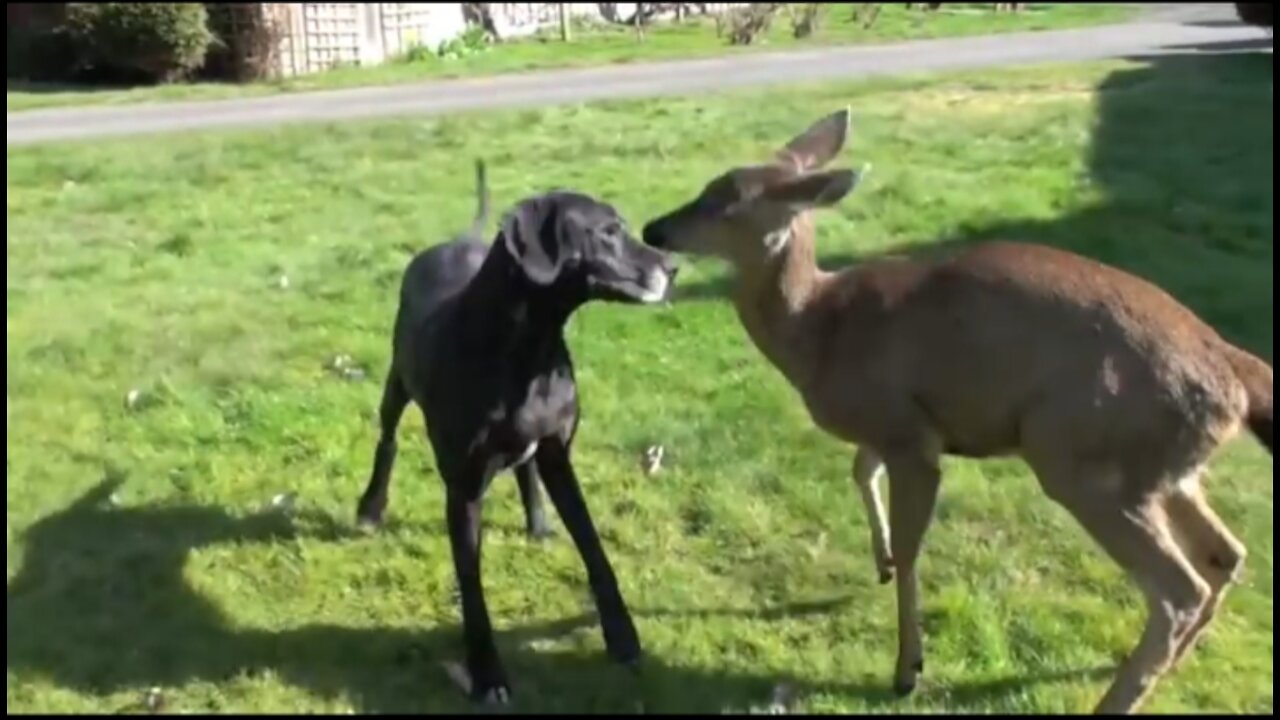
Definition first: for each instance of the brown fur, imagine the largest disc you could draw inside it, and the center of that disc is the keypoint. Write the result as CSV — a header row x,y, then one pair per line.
x,y
1113,392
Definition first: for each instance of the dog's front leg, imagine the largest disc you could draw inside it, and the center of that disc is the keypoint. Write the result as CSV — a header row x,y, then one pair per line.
x,y
488,679
562,485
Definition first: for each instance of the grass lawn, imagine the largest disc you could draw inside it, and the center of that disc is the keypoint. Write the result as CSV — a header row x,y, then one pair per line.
x,y
139,554
605,45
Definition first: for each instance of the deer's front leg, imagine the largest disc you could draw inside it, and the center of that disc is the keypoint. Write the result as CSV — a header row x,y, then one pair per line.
x,y
867,470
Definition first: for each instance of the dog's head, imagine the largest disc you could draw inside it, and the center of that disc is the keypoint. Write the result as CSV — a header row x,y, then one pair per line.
x,y
576,244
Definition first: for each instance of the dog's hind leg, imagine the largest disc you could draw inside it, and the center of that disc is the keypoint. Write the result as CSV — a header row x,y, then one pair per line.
x,y
535,516
374,501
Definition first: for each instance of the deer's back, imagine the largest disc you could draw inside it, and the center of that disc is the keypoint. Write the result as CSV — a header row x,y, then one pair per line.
x,y
981,342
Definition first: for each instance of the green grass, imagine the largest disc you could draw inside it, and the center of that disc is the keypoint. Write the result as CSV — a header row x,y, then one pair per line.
x,y
604,45
154,264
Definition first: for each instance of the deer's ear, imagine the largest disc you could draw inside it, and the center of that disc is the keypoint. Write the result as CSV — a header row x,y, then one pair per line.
x,y
822,189
754,182
817,146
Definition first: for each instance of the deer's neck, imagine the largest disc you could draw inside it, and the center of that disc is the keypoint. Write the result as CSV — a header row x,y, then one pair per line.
x,y
773,297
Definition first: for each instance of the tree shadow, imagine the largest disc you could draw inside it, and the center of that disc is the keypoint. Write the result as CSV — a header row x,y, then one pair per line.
x,y
101,605
1218,23
35,87
86,88
1258,44
1181,159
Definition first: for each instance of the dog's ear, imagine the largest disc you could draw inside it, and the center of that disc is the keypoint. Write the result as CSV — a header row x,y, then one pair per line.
x,y
529,234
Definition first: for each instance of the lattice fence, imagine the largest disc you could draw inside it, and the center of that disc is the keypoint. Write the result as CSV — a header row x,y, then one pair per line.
x,y
405,25
330,34
319,36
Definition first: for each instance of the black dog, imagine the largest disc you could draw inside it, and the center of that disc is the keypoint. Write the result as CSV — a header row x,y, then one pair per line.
x,y
479,346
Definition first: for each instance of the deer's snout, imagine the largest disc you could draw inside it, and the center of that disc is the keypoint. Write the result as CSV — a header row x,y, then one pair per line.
x,y
655,235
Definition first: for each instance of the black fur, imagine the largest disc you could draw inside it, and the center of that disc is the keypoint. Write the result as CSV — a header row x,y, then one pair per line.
x,y
479,346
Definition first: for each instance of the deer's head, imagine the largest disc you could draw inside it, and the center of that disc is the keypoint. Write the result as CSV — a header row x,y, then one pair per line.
x,y
746,214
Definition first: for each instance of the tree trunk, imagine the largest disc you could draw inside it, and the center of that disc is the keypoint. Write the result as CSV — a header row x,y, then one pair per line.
x,y
564,21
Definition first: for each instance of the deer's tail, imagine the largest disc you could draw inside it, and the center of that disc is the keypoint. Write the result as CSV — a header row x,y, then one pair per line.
x,y
1256,377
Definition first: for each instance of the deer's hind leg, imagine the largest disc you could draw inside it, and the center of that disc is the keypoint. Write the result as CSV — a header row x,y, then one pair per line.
x,y
1215,553
1137,530
914,478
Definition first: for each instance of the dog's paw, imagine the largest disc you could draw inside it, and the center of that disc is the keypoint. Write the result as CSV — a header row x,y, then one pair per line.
x,y
540,533
903,688
369,515
496,694
905,681
485,684
623,644
628,656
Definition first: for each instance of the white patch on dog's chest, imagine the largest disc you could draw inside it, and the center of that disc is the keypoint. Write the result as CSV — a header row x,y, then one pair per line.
x,y
526,455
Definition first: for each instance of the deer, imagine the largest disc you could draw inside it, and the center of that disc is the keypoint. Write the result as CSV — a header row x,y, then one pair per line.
x,y
1113,393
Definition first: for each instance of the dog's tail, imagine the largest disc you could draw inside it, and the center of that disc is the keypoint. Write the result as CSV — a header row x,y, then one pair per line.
x,y
482,203
1256,377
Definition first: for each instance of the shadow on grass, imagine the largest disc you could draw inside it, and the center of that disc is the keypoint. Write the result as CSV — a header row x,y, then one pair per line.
x,y
1182,155
81,94
1222,23
1258,44
101,605
43,88
34,87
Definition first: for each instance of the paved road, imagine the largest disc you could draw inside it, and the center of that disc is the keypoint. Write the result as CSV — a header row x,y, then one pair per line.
x,y
1163,30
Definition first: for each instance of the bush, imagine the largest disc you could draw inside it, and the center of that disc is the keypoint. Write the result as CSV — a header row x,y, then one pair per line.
x,y
806,18
865,14
746,23
42,55
35,46
474,40
144,41
246,42
1259,14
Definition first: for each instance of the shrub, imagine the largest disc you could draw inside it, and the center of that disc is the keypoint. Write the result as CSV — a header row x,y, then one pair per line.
x,y
39,54
806,18
246,42
35,46
473,40
1259,14
744,24
865,14
152,41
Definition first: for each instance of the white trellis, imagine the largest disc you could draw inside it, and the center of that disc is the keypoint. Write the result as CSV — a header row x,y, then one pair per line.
x,y
320,36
